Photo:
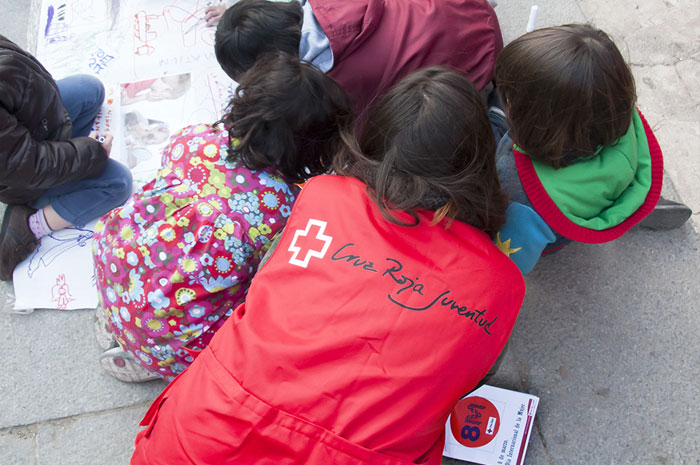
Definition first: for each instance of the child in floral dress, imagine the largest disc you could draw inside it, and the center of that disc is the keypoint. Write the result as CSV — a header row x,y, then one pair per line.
x,y
177,259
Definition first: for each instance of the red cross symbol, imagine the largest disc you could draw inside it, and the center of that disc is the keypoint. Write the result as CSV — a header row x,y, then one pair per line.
x,y
315,246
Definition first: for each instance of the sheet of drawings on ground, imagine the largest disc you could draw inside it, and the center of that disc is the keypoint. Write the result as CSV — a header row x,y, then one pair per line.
x,y
156,61
50,275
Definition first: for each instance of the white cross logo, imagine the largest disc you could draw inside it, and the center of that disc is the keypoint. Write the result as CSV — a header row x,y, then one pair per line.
x,y
310,252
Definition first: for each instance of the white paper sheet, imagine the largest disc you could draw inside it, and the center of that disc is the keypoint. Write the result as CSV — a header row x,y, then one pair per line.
x,y
59,274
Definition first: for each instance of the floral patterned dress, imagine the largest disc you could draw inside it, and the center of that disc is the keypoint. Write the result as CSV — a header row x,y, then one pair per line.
x,y
176,260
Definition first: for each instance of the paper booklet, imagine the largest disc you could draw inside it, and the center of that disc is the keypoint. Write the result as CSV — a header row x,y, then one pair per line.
x,y
491,426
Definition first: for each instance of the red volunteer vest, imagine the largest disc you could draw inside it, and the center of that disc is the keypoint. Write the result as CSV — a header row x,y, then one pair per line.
x,y
375,43
356,339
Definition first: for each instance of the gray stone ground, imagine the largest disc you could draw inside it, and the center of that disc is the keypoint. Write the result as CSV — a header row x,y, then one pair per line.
x,y
608,337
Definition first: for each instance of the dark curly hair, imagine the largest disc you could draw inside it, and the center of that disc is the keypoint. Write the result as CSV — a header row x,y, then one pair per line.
x,y
567,91
428,144
289,116
252,28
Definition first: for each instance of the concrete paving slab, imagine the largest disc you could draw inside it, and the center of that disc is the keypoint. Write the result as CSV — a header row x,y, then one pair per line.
x,y
608,339
513,15
51,369
14,22
18,446
640,28
658,88
105,438
689,72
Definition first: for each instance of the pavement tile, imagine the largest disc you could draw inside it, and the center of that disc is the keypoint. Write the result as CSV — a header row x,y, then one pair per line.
x,y
514,14
18,446
608,340
14,22
105,438
689,71
641,28
663,96
53,369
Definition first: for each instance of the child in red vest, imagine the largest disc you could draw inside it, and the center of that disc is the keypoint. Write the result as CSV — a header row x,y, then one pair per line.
x,y
384,303
579,152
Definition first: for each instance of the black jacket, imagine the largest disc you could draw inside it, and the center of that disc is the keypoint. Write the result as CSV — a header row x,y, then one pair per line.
x,y
36,151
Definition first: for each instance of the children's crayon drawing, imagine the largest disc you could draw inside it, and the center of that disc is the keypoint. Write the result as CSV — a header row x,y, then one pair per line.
x,y
60,293
61,243
59,273
156,61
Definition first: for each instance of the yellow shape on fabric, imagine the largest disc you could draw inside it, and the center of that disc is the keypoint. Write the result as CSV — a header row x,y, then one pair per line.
x,y
189,265
127,233
155,325
177,278
504,246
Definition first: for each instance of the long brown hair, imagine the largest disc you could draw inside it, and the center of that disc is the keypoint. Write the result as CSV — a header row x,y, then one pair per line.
x,y
428,144
567,91
287,115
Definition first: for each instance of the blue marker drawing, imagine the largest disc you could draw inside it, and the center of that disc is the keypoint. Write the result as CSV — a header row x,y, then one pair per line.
x,y
48,21
72,237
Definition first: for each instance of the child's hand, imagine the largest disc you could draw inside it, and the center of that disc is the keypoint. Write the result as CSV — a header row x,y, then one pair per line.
x,y
106,141
212,14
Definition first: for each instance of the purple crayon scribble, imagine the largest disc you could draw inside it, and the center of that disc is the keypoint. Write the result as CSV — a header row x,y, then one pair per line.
x,y
48,22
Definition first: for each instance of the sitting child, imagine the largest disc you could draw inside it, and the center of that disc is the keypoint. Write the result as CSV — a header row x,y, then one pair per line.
x,y
52,175
385,302
584,157
366,45
177,259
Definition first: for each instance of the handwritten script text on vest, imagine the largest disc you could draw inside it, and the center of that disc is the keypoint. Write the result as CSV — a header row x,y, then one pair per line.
x,y
411,285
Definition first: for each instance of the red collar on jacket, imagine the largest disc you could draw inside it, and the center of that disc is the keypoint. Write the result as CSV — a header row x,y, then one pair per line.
x,y
551,214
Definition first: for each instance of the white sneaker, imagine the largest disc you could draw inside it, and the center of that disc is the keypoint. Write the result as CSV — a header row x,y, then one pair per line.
x,y
103,332
124,367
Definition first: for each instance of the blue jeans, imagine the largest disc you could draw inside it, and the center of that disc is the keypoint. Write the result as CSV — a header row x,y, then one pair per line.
x,y
82,96
79,202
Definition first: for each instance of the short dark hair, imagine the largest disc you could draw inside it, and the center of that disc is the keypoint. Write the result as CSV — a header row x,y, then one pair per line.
x,y
251,28
567,91
287,115
428,144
